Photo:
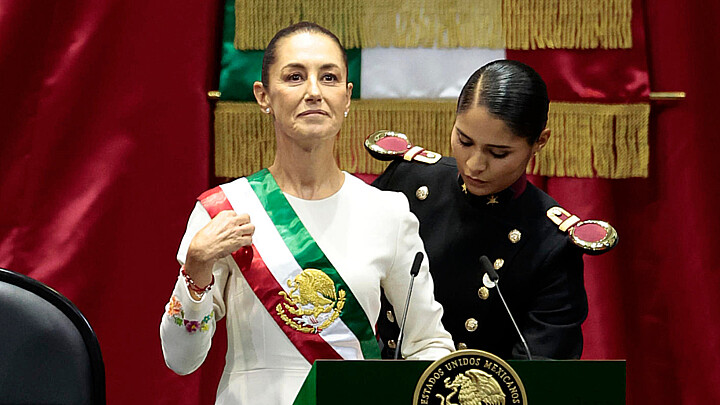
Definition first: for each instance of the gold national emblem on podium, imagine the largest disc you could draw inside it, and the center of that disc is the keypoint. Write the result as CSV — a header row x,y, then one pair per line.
x,y
312,302
469,377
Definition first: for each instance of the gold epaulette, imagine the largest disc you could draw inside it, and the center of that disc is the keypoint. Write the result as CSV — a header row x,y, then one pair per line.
x,y
593,236
391,145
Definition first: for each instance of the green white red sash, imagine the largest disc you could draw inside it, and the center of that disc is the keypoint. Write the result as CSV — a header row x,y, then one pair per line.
x,y
284,262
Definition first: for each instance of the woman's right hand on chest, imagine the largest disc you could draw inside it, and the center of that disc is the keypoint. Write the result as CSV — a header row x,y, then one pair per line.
x,y
226,233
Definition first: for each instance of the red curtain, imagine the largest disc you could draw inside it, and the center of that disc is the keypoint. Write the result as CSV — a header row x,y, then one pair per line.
x,y
104,144
654,299
105,135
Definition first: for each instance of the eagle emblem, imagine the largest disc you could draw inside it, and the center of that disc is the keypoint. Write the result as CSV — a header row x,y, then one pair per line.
x,y
312,303
475,387
469,377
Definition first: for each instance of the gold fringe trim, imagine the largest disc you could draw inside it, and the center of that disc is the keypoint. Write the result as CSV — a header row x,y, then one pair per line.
x,y
570,24
375,23
596,140
510,24
588,140
244,139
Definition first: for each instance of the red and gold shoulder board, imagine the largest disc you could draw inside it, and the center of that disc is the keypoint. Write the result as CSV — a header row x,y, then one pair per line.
x,y
391,145
593,236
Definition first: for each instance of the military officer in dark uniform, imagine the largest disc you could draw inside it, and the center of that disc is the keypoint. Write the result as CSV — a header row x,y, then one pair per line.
x,y
479,202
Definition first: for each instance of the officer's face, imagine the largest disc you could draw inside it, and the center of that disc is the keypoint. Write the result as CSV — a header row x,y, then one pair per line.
x,y
490,157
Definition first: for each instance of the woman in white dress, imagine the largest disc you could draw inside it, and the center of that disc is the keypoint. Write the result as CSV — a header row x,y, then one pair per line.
x,y
294,256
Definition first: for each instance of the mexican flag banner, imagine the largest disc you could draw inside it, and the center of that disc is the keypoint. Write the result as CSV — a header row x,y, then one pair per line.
x,y
408,61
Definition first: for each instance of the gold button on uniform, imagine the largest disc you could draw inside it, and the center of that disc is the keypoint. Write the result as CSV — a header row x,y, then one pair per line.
x,y
422,193
471,325
392,344
390,316
483,293
498,264
514,236
461,346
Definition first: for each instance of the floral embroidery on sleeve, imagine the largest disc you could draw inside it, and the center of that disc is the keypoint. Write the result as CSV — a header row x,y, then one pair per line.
x,y
175,311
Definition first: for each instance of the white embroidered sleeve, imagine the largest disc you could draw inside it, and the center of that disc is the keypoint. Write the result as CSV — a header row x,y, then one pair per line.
x,y
188,325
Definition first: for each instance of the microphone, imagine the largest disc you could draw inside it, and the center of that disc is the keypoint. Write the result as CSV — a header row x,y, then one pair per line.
x,y
414,270
489,269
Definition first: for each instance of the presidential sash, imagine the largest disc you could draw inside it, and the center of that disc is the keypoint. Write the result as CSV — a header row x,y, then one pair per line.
x,y
290,274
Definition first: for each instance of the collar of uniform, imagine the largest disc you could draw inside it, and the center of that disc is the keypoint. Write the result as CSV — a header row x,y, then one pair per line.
x,y
519,186
498,199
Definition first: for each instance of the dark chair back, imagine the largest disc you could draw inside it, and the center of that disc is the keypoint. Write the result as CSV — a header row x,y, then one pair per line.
x,y
49,354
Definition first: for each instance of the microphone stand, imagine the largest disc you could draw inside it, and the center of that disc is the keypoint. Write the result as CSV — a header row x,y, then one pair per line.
x,y
414,270
492,274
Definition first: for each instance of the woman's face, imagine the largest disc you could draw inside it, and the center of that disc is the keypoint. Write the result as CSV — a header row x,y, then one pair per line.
x,y
490,157
307,91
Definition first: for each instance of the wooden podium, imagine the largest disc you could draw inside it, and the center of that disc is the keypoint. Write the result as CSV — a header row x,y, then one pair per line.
x,y
392,382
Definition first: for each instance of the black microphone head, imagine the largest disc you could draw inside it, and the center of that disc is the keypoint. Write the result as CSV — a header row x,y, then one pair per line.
x,y
488,268
415,269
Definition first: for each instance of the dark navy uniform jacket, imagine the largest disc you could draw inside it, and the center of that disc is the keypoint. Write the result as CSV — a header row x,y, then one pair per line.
x,y
541,272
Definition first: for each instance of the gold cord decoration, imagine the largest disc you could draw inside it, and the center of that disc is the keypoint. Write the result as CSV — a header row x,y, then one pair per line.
x,y
510,24
588,140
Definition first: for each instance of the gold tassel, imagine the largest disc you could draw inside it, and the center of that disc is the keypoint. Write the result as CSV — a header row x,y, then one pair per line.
x,y
568,24
375,23
587,140
596,140
244,139
510,24
427,122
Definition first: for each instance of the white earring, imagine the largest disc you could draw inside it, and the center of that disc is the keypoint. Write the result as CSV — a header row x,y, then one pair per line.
x,y
267,110
346,114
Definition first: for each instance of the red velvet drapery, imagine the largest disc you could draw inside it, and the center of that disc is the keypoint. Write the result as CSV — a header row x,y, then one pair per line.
x,y
104,144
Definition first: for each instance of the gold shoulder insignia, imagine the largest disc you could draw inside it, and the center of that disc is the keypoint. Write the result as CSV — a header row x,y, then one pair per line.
x,y
593,236
391,145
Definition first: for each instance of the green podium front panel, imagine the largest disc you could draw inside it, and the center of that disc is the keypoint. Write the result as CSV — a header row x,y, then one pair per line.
x,y
392,382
